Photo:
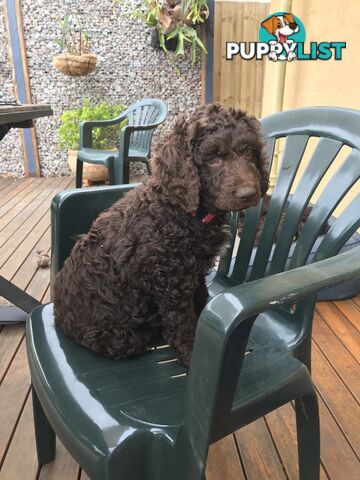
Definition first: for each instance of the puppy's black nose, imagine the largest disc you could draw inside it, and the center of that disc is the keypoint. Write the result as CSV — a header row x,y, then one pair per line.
x,y
293,26
245,193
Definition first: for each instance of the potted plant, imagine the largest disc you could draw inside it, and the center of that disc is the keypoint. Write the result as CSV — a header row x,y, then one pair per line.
x,y
175,22
77,59
104,138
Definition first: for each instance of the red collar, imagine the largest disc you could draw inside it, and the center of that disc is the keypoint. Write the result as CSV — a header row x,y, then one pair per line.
x,y
204,216
208,218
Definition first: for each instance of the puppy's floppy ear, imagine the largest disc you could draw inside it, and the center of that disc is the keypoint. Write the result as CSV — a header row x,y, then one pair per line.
x,y
290,17
264,176
174,171
263,166
262,163
269,24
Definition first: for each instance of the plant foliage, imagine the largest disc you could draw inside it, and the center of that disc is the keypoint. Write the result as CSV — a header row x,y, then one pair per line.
x,y
173,19
74,38
104,138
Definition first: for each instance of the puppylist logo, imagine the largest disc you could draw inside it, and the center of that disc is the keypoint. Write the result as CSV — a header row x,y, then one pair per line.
x,y
282,37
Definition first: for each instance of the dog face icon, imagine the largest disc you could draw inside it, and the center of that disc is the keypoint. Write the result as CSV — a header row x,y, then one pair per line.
x,y
281,26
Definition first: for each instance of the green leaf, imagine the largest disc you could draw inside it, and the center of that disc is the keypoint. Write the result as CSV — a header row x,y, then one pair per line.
x,y
200,43
162,41
103,138
180,46
191,32
193,52
151,20
172,34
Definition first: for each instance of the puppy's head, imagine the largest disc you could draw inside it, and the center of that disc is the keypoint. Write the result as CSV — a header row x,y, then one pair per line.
x,y
284,25
215,158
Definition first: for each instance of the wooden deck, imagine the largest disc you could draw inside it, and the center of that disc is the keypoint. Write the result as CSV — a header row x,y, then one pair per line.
x,y
266,449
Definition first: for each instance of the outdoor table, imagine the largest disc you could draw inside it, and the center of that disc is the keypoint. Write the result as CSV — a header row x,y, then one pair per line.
x,y
18,116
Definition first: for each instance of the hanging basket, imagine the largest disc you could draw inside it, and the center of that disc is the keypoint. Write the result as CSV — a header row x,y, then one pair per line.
x,y
75,65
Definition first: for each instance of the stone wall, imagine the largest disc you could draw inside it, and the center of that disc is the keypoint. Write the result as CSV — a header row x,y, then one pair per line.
x,y
128,69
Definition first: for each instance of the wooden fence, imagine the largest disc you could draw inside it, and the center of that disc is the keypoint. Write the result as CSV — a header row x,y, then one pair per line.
x,y
237,82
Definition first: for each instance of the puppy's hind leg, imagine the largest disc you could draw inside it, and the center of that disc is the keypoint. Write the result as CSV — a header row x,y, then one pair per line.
x,y
122,343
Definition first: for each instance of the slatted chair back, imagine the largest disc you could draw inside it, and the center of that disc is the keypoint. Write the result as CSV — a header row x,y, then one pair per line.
x,y
334,128
146,112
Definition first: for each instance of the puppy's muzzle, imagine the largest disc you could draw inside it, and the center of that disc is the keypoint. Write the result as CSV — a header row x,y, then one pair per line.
x,y
246,194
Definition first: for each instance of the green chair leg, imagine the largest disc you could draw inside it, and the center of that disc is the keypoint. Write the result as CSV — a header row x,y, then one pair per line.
x,y
118,169
126,171
308,435
79,173
44,434
111,170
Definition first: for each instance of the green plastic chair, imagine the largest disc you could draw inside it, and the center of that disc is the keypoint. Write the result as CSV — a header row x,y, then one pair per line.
x,y
144,418
134,145
335,128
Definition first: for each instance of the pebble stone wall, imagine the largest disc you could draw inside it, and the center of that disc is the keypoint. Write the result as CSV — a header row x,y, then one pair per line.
x,y
128,69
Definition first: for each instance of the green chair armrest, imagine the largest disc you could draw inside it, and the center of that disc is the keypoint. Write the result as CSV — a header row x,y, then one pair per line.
x,y
139,128
237,303
86,129
224,326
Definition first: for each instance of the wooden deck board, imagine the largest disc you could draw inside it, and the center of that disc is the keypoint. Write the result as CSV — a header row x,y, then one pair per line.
x,y
335,395
224,461
10,339
4,182
64,468
13,393
351,310
258,452
341,326
281,424
338,355
16,464
263,450
12,194
14,212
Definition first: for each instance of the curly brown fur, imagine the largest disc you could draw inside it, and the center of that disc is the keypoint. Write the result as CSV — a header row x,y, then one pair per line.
x,y
140,271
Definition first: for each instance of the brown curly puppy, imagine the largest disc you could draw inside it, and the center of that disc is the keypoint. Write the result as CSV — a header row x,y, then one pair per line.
x,y
140,271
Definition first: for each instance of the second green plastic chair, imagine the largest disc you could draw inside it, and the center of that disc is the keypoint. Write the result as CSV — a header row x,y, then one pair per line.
x,y
134,144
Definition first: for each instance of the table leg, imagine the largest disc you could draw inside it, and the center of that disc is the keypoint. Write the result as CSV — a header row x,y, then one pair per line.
x,y
24,303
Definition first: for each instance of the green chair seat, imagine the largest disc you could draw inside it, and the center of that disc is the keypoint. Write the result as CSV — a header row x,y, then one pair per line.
x,y
126,398
90,155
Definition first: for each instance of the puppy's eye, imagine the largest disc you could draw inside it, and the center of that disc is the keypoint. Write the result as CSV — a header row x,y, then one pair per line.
x,y
248,151
215,158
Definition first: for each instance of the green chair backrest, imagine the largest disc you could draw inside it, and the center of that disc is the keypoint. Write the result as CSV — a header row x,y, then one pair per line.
x,y
335,128
149,111
72,213
243,262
